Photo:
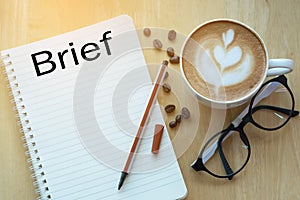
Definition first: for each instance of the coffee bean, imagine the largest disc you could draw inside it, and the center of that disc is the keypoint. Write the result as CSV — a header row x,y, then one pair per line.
x,y
185,113
172,35
170,108
147,32
174,60
165,62
178,118
172,124
166,87
157,44
166,75
170,51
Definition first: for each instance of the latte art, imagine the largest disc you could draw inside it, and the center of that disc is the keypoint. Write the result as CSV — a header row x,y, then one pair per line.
x,y
223,60
232,63
227,57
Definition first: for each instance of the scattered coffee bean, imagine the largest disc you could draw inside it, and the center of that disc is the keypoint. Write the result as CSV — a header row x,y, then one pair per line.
x,y
185,113
157,44
178,118
172,124
166,75
174,60
165,62
166,87
147,32
172,35
170,108
170,51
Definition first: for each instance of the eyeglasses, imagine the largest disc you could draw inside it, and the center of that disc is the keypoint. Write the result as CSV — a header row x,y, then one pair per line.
x,y
223,156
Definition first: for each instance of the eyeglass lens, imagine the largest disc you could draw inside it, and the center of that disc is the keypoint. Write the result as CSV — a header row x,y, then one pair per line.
x,y
267,113
235,152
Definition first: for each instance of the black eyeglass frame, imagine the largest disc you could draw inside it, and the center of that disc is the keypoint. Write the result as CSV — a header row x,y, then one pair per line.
x,y
199,165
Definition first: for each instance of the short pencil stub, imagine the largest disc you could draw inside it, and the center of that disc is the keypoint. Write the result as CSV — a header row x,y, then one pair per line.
x,y
158,132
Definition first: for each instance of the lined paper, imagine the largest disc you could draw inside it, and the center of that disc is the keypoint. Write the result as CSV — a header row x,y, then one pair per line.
x,y
78,113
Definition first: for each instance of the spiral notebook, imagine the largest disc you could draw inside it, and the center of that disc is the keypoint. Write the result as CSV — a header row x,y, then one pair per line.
x,y
79,98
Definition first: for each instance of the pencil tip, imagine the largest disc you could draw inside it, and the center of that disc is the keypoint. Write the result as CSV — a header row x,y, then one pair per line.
x,y
123,176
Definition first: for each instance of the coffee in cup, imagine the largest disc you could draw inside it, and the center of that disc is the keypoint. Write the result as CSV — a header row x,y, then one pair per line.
x,y
224,62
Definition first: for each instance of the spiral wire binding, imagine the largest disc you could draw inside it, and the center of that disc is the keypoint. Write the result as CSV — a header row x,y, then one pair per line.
x,y
34,159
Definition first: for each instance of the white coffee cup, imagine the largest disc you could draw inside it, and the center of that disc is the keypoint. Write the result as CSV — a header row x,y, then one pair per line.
x,y
273,67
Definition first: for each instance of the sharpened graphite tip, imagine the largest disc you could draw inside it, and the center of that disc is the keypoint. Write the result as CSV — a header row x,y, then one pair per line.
x,y
122,179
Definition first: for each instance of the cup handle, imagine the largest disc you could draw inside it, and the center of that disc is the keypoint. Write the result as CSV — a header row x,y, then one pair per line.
x,y
280,66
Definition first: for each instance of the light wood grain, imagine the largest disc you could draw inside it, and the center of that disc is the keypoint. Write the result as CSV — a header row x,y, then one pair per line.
x,y
274,168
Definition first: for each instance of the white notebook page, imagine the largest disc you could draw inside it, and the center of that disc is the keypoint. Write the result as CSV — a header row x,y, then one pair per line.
x,y
68,108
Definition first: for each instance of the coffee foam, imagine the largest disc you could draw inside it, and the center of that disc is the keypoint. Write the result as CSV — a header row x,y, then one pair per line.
x,y
224,61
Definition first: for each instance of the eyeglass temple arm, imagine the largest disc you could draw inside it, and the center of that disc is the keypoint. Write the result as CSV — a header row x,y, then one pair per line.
x,y
278,109
225,163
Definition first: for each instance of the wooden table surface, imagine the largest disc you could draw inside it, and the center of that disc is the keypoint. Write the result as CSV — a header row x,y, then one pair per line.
x,y
274,168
